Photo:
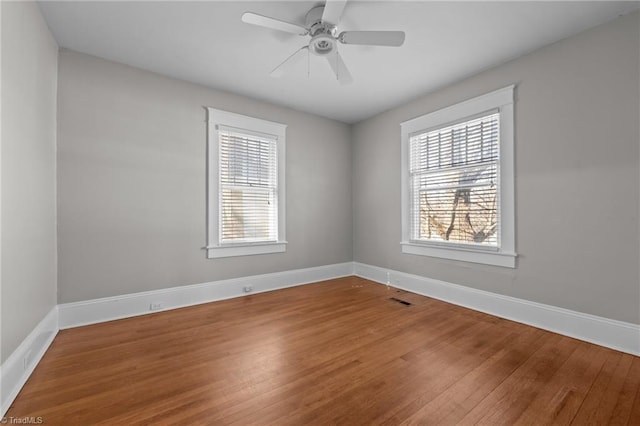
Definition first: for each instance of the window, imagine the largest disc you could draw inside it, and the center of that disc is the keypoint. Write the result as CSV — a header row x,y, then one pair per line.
x,y
457,182
246,202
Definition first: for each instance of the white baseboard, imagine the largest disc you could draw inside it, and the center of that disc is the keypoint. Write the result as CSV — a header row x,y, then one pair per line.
x,y
18,367
15,371
111,308
618,335
614,334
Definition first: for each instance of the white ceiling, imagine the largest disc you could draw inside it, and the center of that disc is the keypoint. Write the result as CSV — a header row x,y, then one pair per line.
x,y
206,43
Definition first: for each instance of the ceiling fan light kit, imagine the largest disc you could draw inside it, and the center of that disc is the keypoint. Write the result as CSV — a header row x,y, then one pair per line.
x,y
321,24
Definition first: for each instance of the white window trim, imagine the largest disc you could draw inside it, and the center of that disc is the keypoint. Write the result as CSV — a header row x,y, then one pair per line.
x,y
216,118
503,100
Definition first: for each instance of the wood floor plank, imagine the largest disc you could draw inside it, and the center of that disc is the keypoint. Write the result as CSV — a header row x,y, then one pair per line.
x,y
335,352
451,405
600,401
369,356
622,413
505,403
559,400
371,395
634,416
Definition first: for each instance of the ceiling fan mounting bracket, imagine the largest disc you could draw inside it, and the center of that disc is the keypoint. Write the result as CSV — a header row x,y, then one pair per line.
x,y
314,16
322,28
316,25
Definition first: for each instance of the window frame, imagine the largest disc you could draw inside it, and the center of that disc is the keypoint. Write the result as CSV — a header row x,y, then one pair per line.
x,y
504,255
218,118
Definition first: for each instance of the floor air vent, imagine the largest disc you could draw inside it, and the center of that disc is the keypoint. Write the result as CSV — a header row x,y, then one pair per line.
x,y
404,302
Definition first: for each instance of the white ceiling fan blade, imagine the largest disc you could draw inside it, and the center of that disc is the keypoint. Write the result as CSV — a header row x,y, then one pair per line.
x,y
373,38
339,68
333,11
274,24
289,63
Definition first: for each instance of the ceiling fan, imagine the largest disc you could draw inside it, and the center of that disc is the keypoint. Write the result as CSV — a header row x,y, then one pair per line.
x,y
321,25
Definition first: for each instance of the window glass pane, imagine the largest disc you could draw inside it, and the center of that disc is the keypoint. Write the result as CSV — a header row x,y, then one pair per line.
x,y
248,215
454,172
467,215
248,184
247,160
474,141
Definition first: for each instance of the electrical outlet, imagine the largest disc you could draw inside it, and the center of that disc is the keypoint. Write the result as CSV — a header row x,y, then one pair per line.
x,y
156,306
248,288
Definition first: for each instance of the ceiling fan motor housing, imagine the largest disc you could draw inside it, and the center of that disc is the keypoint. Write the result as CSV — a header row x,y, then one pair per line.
x,y
323,39
322,44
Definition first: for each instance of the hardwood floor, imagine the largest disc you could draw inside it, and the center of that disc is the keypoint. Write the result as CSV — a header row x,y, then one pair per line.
x,y
337,352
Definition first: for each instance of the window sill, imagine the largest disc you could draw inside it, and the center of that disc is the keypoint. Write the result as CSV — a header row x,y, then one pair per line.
x,y
245,249
504,259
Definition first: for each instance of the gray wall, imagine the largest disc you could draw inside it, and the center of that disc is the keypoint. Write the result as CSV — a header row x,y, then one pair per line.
x,y
577,182
131,183
131,187
29,84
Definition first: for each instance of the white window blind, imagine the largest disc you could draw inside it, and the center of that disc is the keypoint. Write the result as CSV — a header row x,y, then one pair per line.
x,y
454,183
248,193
